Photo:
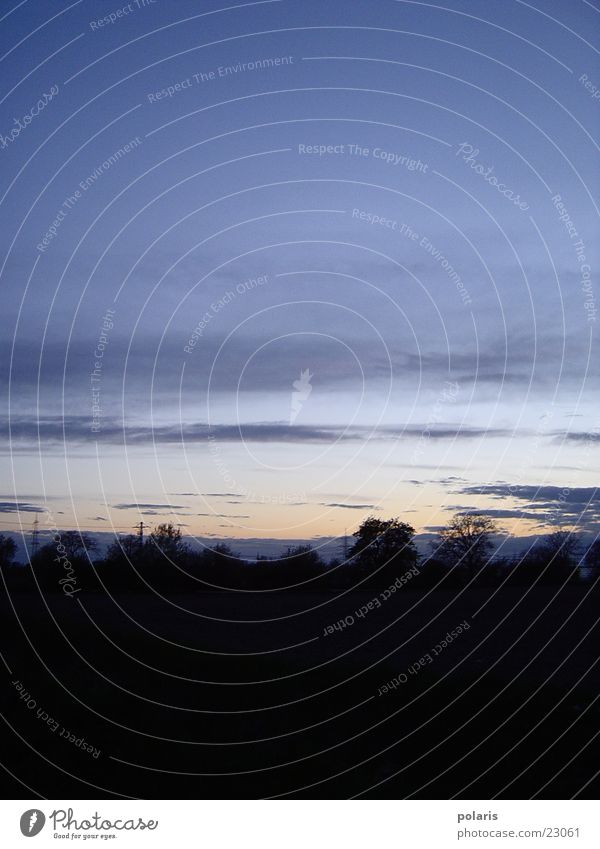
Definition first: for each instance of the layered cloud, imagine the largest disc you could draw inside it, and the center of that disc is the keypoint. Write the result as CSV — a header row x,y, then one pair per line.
x,y
144,506
20,507
545,504
58,429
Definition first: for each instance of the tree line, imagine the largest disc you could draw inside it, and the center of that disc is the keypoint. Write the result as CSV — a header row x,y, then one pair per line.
x,y
463,553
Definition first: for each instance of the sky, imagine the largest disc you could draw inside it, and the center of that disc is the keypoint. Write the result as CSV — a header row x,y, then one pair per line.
x,y
273,267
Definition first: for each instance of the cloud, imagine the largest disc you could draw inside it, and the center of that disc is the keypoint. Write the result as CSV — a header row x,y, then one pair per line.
x,y
224,515
22,497
349,506
76,429
20,507
220,494
139,506
499,513
568,495
548,504
577,436
436,467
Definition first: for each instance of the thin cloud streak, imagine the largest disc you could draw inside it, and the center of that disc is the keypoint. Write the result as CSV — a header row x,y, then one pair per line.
x,y
57,430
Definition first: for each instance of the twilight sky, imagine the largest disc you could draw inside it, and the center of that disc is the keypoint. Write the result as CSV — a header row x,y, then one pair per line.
x,y
272,267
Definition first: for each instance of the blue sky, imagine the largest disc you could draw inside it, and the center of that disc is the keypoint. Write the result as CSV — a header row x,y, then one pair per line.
x,y
397,200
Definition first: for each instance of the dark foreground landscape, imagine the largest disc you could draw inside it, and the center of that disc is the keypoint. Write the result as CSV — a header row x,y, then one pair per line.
x,y
149,697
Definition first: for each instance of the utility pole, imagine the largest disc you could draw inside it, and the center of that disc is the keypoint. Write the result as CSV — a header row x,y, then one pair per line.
x,y
345,549
140,531
35,536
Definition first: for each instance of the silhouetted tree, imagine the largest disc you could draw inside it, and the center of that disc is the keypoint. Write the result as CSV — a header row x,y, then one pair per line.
x,y
66,545
221,559
167,539
302,557
77,544
222,550
217,567
558,556
124,549
385,546
592,557
563,546
466,541
300,563
64,561
8,550
122,559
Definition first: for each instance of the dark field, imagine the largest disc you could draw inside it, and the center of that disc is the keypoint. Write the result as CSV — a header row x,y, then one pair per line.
x,y
224,695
